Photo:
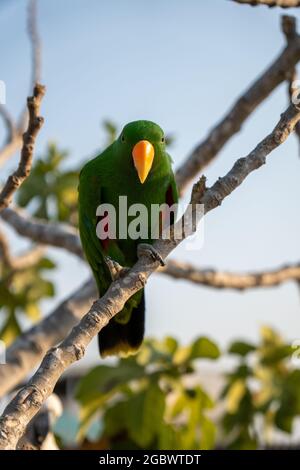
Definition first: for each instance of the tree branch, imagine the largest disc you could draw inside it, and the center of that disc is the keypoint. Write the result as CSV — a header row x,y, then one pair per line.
x,y
22,261
15,131
43,232
35,123
229,280
232,122
28,401
30,347
271,3
36,56
288,26
28,259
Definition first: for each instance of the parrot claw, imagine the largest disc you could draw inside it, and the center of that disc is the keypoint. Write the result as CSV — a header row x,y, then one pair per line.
x,y
148,250
116,270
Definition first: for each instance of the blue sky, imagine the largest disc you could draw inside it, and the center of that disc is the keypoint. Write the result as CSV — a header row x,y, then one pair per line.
x,y
181,64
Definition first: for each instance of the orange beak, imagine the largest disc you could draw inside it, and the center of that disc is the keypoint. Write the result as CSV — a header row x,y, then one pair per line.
x,y
143,155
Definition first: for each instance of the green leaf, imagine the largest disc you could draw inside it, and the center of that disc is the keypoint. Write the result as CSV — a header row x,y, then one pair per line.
x,y
201,348
145,415
204,348
32,311
269,336
46,263
169,437
289,401
243,415
51,191
182,355
100,385
171,344
103,379
115,419
10,330
208,433
241,348
243,442
284,420
272,356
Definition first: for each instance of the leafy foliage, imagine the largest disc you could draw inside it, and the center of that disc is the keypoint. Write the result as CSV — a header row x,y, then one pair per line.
x,y
147,400
263,388
51,189
20,293
156,400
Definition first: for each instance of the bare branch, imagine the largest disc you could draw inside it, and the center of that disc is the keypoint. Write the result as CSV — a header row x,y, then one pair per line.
x,y
43,232
15,131
229,280
214,196
29,400
30,347
39,433
36,56
271,3
15,180
288,26
22,261
28,259
232,122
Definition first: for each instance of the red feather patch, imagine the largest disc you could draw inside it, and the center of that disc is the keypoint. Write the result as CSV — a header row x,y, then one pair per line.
x,y
104,240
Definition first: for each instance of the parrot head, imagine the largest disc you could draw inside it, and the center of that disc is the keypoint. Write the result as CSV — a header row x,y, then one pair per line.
x,y
143,142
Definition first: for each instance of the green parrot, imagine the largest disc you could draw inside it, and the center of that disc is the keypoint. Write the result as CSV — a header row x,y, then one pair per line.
x,y
137,166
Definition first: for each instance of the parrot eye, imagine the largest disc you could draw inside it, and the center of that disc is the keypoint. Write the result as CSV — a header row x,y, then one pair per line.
x,y
122,138
162,139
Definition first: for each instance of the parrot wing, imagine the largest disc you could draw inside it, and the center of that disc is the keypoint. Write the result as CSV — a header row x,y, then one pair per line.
x,y
89,199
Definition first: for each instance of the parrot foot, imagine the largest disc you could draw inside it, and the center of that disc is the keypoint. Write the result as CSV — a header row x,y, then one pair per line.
x,y
148,250
116,270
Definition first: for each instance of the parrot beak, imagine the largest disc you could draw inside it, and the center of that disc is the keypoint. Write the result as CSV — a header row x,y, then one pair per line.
x,y
143,155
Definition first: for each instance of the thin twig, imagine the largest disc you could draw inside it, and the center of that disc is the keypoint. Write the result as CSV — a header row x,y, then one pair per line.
x,y
28,259
288,26
15,130
35,123
43,232
229,280
36,55
271,3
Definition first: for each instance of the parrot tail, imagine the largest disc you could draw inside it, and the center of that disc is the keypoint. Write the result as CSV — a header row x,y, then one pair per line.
x,y
123,339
